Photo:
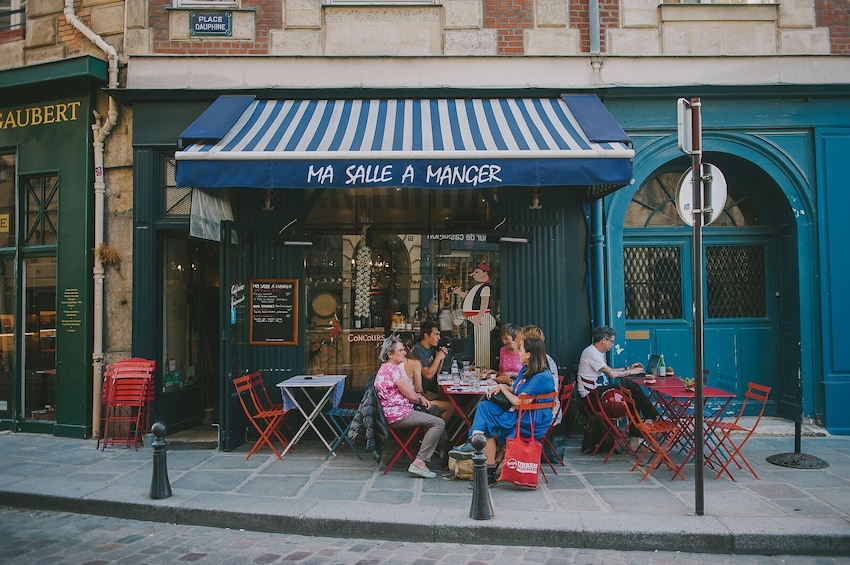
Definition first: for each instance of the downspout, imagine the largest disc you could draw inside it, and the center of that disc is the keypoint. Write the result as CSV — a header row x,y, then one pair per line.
x,y
595,33
597,246
101,130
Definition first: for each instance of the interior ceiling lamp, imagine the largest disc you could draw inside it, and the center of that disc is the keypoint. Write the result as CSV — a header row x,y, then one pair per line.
x,y
293,240
500,235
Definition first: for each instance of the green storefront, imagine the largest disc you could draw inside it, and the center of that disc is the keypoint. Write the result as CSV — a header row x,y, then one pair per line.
x,y
46,241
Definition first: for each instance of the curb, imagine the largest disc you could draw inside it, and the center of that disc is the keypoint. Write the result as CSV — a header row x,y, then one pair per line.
x,y
692,534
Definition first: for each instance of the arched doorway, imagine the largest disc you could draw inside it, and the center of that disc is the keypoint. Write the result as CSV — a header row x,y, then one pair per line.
x,y
751,330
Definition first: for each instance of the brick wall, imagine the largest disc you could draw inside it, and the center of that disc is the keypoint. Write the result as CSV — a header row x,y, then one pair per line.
x,y
835,14
69,35
269,17
609,18
509,18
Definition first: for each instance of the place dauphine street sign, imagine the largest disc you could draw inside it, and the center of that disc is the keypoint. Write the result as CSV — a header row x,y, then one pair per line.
x,y
210,23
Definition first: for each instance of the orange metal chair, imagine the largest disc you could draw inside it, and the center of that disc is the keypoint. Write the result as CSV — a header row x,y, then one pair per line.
x,y
659,437
266,421
565,397
726,449
529,403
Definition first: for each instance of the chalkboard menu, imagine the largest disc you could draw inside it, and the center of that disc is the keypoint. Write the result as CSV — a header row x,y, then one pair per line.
x,y
274,312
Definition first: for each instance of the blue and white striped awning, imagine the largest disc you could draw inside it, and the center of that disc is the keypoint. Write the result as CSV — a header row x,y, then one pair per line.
x,y
240,141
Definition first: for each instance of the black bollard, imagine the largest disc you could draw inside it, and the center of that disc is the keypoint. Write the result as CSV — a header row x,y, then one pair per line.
x,y
160,487
482,506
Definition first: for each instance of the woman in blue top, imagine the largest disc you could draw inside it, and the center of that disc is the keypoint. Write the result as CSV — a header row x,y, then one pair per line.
x,y
497,423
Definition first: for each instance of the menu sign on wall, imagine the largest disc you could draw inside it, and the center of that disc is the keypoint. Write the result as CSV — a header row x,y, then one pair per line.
x,y
274,312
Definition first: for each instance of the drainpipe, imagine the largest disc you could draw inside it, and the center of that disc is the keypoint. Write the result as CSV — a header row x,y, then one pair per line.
x,y
101,129
593,13
597,245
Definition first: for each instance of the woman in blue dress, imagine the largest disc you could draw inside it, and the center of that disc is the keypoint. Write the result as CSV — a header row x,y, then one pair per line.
x,y
497,423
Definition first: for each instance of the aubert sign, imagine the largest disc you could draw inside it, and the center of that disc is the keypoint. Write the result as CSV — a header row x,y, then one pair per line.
x,y
39,115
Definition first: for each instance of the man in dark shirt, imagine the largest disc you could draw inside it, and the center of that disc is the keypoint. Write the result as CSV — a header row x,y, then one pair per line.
x,y
429,352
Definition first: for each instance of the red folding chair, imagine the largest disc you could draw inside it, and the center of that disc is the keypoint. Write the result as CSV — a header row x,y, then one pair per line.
x,y
529,403
619,442
659,437
132,366
726,449
565,397
404,437
125,409
266,421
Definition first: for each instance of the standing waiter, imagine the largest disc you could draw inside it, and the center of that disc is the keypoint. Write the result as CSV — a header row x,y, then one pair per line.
x,y
476,309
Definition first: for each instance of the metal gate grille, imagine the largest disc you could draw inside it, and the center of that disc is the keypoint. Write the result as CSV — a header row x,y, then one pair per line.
x,y
735,281
653,283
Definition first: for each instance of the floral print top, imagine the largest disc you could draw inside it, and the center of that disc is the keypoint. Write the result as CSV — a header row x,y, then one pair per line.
x,y
395,405
509,362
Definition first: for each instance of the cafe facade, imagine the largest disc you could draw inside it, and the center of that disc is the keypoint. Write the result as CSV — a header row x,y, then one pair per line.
x,y
47,174
309,224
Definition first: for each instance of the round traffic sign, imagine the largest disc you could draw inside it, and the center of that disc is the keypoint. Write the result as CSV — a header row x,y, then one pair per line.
x,y
714,187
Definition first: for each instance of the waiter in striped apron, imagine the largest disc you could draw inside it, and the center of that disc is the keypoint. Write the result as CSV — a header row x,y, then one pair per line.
x,y
476,309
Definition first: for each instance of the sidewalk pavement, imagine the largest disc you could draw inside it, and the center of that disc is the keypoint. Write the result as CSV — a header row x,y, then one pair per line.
x,y
587,504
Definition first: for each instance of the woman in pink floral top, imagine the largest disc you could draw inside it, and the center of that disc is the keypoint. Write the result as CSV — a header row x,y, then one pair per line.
x,y
397,397
509,359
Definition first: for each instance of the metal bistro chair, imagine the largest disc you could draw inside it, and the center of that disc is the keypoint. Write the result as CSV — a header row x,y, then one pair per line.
x,y
530,404
341,418
266,421
404,437
619,441
126,408
659,437
135,366
565,396
728,449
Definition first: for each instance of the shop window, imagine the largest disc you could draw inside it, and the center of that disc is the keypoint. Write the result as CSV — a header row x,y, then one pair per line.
x,y
380,2
39,358
8,209
177,201
41,209
7,336
179,273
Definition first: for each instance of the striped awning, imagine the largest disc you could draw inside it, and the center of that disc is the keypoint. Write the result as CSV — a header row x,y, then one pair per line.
x,y
240,141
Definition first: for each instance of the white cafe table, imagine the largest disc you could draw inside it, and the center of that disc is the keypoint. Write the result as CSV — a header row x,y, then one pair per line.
x,y
333,386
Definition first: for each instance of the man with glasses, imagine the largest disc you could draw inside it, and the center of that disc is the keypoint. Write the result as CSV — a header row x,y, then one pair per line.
x,y
595,376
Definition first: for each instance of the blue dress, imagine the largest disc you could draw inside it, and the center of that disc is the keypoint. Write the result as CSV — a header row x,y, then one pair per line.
x,y
497,422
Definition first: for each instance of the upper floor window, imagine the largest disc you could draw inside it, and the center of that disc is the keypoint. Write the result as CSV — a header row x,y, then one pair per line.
x,y
719,1
379,2
204,3
12,14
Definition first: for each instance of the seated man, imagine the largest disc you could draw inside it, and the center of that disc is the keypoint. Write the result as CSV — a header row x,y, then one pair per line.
x,y
595,376
428,352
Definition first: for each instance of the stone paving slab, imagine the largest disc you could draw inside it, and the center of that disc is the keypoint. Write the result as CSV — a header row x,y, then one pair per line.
x,y
587,504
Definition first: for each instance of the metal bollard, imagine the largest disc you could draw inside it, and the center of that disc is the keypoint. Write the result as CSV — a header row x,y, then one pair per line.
x,y
482,506
160,487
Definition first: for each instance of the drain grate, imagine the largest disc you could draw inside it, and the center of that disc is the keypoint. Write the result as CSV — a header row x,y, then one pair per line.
x,y
797,461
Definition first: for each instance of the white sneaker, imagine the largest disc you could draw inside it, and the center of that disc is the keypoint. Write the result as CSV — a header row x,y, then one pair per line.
x,y
424,473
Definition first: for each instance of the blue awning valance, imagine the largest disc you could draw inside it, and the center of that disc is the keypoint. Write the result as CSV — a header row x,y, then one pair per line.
x,y
240,141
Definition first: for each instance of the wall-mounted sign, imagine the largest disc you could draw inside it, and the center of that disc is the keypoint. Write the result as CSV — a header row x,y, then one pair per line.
x,y
274,312
210,23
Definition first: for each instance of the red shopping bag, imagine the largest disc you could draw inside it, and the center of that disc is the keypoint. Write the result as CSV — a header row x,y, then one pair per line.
x,y
521,464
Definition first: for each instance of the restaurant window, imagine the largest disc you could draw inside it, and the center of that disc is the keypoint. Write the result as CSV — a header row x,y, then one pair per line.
x,y
7,337
8,208
39,360
373,246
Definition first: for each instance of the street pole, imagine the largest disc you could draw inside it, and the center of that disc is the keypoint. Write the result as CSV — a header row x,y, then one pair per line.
x,y
697,269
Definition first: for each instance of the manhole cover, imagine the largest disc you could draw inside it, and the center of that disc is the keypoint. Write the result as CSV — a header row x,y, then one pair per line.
x,y
798,461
